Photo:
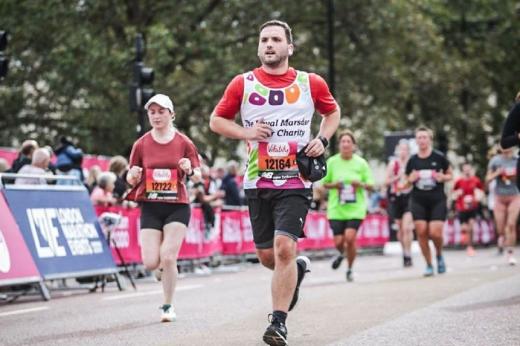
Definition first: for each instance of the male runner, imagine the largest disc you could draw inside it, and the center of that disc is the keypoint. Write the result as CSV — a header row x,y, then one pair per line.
x,y
276,104
468,190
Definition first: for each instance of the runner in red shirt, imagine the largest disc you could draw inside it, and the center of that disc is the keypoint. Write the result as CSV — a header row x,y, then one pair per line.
x,y
467,191
159,164
276,104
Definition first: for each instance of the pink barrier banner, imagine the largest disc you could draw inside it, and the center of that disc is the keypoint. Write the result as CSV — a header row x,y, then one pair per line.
x,y
237,234
317,231
16,262
200,241
233,235
10,154
374,231
483,232
125,235
96,160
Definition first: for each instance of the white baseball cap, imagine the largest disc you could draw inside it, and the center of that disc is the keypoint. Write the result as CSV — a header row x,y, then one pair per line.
x,y
162,100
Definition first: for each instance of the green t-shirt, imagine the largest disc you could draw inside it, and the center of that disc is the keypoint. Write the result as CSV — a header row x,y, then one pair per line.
x,y
351,203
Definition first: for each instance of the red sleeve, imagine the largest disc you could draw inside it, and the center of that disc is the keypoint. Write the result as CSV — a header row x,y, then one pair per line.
x,y
456,184
135,155
192,154
229,104
479,184
323,100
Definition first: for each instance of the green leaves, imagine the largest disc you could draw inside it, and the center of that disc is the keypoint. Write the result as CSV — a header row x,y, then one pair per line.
x,y
398,64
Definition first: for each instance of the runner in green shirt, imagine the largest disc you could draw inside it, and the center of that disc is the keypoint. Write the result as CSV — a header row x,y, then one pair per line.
x,y
348,178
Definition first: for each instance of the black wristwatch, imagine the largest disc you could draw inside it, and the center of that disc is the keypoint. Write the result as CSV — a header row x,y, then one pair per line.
x,y
324,140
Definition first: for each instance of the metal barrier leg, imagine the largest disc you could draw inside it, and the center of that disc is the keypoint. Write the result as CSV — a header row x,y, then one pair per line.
x,y
125,266
44,290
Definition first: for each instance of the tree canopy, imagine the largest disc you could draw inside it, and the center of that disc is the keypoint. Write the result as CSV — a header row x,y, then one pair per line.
x,y
448,64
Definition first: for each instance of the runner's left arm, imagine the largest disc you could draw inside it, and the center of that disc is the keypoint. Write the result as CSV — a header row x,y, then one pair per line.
x,y
326,105
329,125
445,176
191,163
447,172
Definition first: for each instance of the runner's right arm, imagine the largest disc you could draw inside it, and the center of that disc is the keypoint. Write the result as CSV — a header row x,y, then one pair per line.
x,y
135,172
411,174
228,128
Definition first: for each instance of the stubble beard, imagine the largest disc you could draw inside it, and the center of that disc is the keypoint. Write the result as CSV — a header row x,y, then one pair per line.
x,y
280,60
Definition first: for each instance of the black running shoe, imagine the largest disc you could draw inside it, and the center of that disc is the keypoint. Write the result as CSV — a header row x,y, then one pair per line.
x,y
276,334
337,262
303,263
408,261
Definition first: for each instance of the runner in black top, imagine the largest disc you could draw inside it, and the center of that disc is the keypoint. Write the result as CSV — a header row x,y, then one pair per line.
x,y
427,171
511,131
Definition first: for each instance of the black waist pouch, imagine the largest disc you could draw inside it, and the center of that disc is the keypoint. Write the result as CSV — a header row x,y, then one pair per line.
x,y
311,168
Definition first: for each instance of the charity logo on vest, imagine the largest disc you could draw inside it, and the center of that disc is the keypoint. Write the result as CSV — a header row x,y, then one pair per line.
x,y
275,97
278,149
162,175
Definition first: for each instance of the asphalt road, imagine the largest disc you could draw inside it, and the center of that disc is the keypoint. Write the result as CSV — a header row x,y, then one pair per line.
x,y
477,302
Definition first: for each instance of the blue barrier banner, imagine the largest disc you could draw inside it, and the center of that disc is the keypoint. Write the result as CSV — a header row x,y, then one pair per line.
x,y
61,231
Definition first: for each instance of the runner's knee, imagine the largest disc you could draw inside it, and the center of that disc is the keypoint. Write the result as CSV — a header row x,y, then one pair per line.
x,y
285,251
168,259
150,263
266,258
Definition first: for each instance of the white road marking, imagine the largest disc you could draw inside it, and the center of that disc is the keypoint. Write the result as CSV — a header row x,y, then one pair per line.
x,y
149,293
23,311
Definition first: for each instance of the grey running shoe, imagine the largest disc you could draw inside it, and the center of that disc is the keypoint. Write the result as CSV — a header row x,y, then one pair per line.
x,y
350,275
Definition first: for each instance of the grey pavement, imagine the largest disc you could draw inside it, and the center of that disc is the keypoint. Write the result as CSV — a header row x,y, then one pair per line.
x,y
477,302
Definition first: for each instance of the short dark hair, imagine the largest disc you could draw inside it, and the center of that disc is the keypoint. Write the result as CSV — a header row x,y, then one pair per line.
x,y
284,25
424,129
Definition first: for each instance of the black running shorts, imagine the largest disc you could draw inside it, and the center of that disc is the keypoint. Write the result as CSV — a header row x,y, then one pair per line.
x,y
428,207
157,214
339,226
398,205
465,216
280,211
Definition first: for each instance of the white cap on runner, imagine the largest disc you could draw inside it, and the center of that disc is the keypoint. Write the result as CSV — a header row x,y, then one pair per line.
x,y
162,100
